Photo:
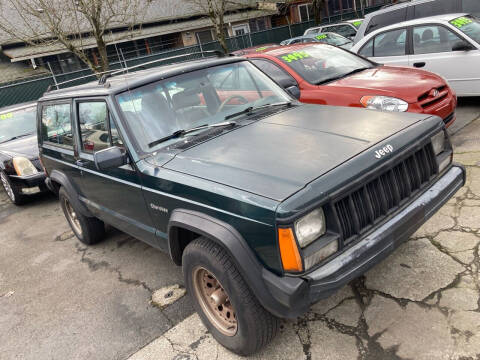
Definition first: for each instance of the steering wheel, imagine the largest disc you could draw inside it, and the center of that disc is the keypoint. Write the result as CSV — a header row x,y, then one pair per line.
x,y
230,98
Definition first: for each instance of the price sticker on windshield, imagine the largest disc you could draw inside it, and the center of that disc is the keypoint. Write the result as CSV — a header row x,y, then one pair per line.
x,y
357,23
297,55
261,48
461,21
6,116
321,36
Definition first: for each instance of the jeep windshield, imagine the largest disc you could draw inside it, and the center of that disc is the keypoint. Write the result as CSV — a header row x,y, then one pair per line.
x,y
17,123
162,112
319,64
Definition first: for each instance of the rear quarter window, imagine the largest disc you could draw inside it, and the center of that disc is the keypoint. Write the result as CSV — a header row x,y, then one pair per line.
x,y
471,6
57,124
389,18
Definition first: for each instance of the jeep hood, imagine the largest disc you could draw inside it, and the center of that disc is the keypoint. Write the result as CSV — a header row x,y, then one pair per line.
x,y
279,155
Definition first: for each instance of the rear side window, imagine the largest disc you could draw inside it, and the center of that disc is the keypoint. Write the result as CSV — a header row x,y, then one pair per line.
x,y
57,125
389,18
390,43
471,6
436,7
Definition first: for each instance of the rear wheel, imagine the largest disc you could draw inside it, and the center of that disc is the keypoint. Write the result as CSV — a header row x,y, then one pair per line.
x,y
89,230
223,300
12,192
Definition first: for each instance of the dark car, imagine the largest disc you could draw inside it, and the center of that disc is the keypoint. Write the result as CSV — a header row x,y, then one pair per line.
x,y
20,169
269,205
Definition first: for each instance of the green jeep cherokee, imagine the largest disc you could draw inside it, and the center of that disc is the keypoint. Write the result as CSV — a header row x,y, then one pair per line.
x,y
269,205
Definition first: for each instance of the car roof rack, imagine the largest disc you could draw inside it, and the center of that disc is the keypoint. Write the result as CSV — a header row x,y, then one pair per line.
x,y
107,74
104,77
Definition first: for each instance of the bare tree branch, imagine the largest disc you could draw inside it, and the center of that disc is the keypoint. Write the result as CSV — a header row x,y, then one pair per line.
x,y
68,23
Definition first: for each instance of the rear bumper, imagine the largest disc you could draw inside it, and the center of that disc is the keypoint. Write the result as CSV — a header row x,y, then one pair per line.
x,y
28,181
299,293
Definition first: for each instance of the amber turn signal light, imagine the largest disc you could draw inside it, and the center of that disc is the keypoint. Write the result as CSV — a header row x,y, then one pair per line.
x,y
291,259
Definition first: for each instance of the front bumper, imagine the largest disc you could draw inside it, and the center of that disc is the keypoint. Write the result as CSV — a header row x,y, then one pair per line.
x,y
22,182
297,294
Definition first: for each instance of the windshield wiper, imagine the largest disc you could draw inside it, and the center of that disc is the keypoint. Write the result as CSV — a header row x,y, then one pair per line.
x,y
343,75
251,109
16,137
182,132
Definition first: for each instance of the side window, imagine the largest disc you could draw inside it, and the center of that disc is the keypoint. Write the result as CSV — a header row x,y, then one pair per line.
x,y
471,6
390,43
57,125
92,118
276,73
433,39
367,49
388,18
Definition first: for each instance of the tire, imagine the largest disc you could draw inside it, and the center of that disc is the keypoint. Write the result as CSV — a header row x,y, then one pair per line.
x,y
89,230
11,190
255,327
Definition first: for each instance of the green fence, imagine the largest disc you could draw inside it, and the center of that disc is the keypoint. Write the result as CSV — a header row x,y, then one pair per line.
x,y
33,88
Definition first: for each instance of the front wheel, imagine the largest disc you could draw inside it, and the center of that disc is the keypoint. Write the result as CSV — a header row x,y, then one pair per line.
x,y
227,307
13,194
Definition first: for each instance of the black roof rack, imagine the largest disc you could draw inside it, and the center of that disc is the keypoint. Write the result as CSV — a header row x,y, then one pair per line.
x,y
104,77
110,73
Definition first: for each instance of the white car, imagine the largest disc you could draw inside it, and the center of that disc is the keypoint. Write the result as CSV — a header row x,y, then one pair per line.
x,y
448,45
347,28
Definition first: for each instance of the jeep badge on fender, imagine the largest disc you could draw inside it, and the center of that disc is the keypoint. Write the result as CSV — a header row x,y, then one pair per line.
x,y
384,151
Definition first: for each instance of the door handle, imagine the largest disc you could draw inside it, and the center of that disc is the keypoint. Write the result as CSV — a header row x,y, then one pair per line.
x,y
81,163
419,64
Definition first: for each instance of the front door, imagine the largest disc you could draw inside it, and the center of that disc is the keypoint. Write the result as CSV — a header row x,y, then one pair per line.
x,y
114,195
432,51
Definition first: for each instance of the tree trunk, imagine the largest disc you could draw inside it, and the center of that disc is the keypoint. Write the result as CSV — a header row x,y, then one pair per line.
x,y
102,50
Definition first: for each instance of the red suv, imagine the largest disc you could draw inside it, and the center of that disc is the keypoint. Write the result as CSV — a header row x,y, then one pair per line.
x,y
328,75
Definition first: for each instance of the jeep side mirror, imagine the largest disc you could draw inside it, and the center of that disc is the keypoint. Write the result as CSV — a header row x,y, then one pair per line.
x,y
294,91
112,157
462,46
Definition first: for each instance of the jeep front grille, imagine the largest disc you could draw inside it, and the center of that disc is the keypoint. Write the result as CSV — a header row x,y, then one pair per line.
x,y
365,206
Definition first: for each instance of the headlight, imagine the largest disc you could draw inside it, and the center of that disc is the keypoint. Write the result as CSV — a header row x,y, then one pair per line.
x,y
23,166
438,142
310,227
384,103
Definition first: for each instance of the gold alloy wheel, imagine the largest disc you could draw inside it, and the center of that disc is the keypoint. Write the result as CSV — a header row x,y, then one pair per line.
x,y
214,301
72,217
7,187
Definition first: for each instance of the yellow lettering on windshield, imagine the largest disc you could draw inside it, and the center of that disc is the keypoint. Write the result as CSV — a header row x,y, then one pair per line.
x,y
297,55
461,21
6,116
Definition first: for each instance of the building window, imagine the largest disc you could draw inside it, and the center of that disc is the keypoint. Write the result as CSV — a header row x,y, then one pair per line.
x,y
204,36
305,12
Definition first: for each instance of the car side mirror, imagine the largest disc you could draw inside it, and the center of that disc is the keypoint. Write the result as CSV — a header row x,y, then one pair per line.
x,y
462,46
294,91
112,157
